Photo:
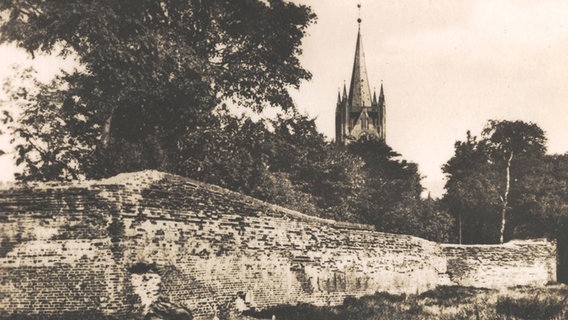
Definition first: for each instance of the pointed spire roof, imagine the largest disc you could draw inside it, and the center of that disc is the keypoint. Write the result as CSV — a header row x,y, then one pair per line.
x,y
374,96
359,90
382,95
344,90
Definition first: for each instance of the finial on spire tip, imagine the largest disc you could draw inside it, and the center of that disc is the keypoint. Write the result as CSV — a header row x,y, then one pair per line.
x,y
359,8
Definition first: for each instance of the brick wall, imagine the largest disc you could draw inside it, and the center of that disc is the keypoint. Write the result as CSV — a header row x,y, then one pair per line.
x,y
112,247
529,262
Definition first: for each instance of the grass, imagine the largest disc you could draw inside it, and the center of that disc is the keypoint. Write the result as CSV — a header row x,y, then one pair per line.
x,y
443,303
532,307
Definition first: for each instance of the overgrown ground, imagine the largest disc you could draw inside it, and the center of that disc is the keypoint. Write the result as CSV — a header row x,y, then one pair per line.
x,y
550,302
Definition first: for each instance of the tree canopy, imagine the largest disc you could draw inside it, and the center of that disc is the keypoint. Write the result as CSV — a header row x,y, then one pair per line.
x,y
150,69
488,179
197,50
507,140
472,194
389,194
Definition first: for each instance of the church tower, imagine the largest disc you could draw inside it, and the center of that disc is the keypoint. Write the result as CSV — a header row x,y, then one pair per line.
x,y
358,114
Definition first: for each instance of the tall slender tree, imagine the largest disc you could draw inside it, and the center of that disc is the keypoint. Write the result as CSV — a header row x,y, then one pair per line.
x,y
482,174
508,140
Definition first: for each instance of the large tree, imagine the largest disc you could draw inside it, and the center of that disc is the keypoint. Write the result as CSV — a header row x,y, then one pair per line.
x,y
484,174
150,69
472,194
507,141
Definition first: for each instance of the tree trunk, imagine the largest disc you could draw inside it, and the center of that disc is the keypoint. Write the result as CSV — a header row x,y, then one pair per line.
x,y
107,129
562,266
505,198
460,227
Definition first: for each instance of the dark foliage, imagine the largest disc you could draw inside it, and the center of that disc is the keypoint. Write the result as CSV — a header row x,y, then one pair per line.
x,y
389,196
485,179
148,71
472,195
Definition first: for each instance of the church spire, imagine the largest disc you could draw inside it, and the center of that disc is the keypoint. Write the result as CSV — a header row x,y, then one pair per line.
x,y
381,95
359,90
360,114
374,96
382,115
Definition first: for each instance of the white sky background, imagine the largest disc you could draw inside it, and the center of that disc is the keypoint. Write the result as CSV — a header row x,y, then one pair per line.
x,y
447,66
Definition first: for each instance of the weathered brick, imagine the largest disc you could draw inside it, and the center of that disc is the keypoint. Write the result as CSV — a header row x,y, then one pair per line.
x,y
203,246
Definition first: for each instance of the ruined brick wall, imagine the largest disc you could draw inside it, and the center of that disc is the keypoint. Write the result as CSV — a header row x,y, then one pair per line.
x,y
528,262
113,247
56,254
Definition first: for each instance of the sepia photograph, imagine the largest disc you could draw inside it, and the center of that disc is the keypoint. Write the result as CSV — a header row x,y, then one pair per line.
x,y
283,159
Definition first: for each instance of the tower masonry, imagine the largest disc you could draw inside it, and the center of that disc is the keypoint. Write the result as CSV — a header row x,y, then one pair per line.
x,y
360,114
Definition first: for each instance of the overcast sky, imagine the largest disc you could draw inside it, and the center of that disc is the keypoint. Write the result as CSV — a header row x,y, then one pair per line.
x,y
447,66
